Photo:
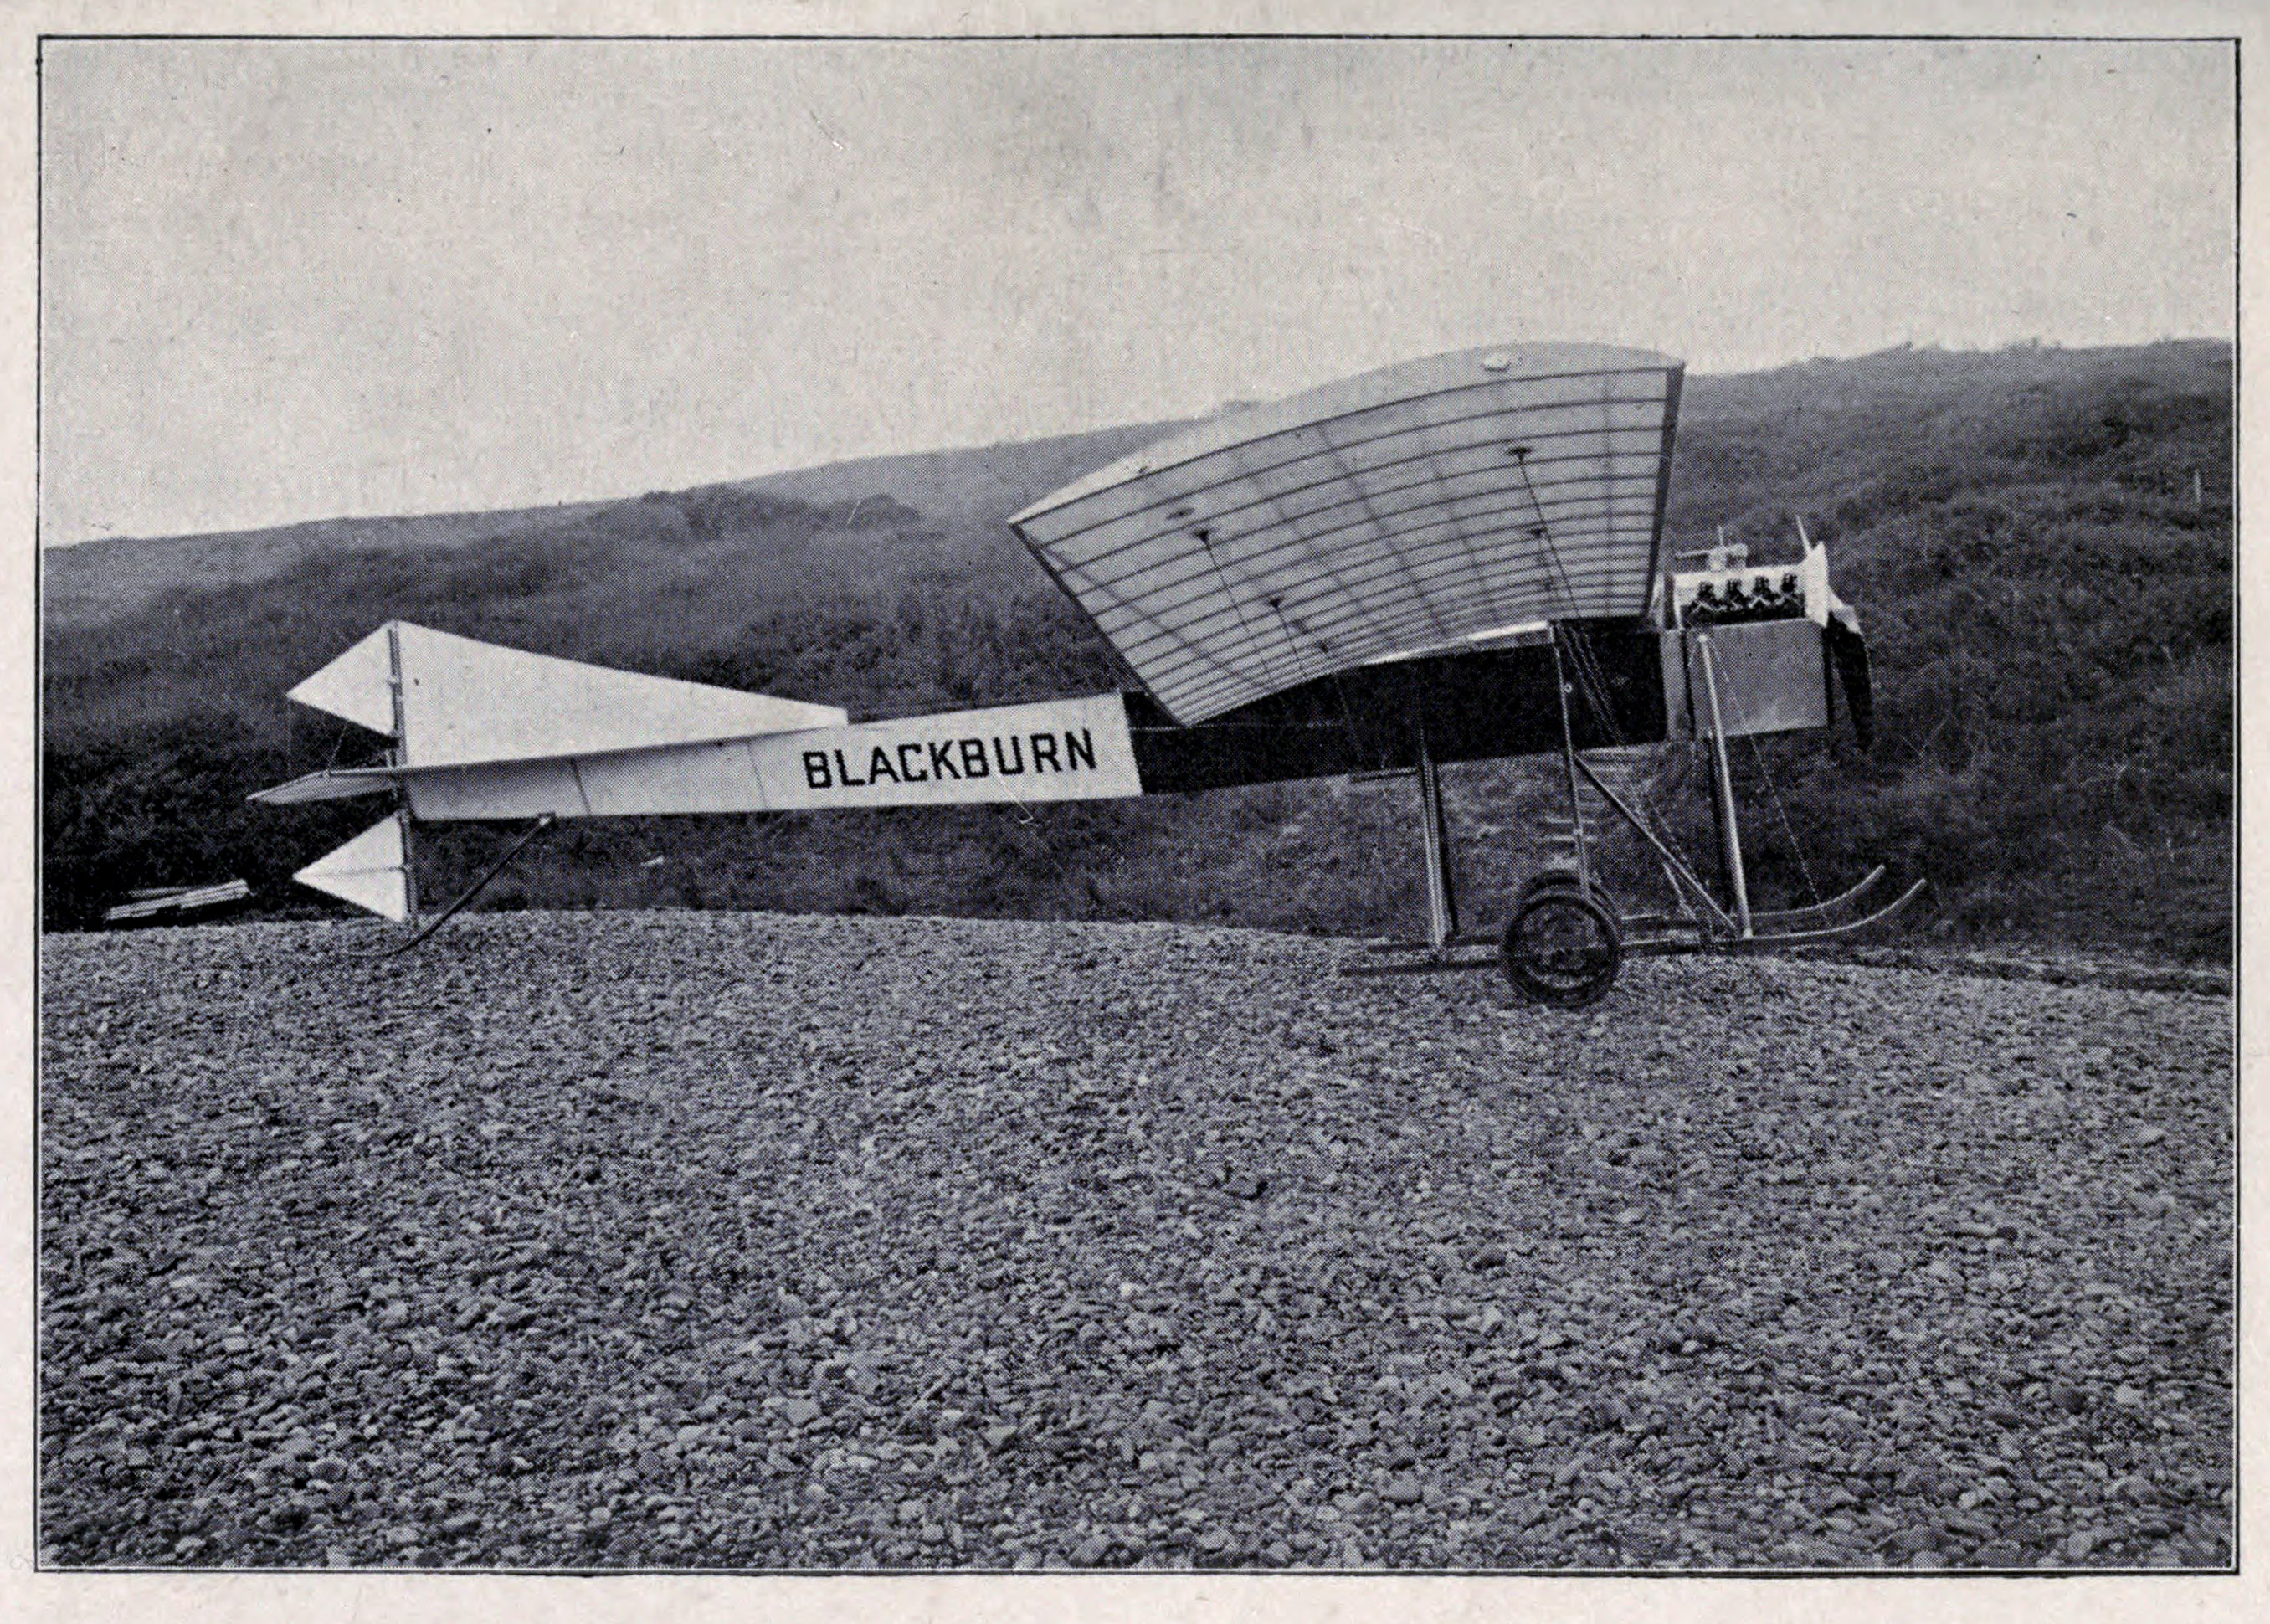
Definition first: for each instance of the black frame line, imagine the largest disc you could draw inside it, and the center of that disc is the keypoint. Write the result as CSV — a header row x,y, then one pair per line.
x,y
37,665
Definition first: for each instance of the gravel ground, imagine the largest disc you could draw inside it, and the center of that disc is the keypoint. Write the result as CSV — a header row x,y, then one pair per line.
x,y
687,1240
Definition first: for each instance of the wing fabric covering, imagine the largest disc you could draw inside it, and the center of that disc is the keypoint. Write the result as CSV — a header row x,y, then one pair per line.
x,y
1405,510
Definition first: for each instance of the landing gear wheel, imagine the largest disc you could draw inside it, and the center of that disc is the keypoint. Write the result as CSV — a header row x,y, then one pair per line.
x,y
1562,949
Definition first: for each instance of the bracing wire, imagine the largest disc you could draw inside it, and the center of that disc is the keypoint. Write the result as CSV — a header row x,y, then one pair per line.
x,y
1781,812
1204,535
1593,681
1380,886
1589,676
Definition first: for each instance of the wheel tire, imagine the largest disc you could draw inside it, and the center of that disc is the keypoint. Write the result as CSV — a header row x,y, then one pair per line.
x,y
1565,879
1547,879
1563,948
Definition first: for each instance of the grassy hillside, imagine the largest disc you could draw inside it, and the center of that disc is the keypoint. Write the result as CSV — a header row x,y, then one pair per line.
x,y
955,492
2050,607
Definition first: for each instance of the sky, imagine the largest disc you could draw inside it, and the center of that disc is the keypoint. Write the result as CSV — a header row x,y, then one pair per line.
x,y
299,279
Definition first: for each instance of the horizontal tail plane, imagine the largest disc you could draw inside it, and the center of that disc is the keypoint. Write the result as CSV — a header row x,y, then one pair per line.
x,y
451,702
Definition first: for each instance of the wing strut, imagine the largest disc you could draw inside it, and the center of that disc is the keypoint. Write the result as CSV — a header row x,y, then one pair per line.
x,y
1569,761
1442,895
1723,778
400,756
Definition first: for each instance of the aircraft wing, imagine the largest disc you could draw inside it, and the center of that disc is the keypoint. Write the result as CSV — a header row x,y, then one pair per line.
x,y
1414,508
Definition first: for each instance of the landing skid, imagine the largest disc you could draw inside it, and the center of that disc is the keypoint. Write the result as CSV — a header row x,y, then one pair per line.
x,y
1428,964
1821,911
1456,954
1782,938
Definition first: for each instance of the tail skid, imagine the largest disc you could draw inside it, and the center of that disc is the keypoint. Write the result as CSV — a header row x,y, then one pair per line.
x,y
471,892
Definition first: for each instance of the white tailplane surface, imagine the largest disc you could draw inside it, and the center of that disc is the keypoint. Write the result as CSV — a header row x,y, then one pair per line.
x,y
465,701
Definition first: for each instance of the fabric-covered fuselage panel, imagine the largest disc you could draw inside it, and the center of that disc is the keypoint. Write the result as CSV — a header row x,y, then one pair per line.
x,y
1467,706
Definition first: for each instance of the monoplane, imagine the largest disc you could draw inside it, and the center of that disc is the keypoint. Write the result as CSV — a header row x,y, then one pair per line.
x,y
1452,559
